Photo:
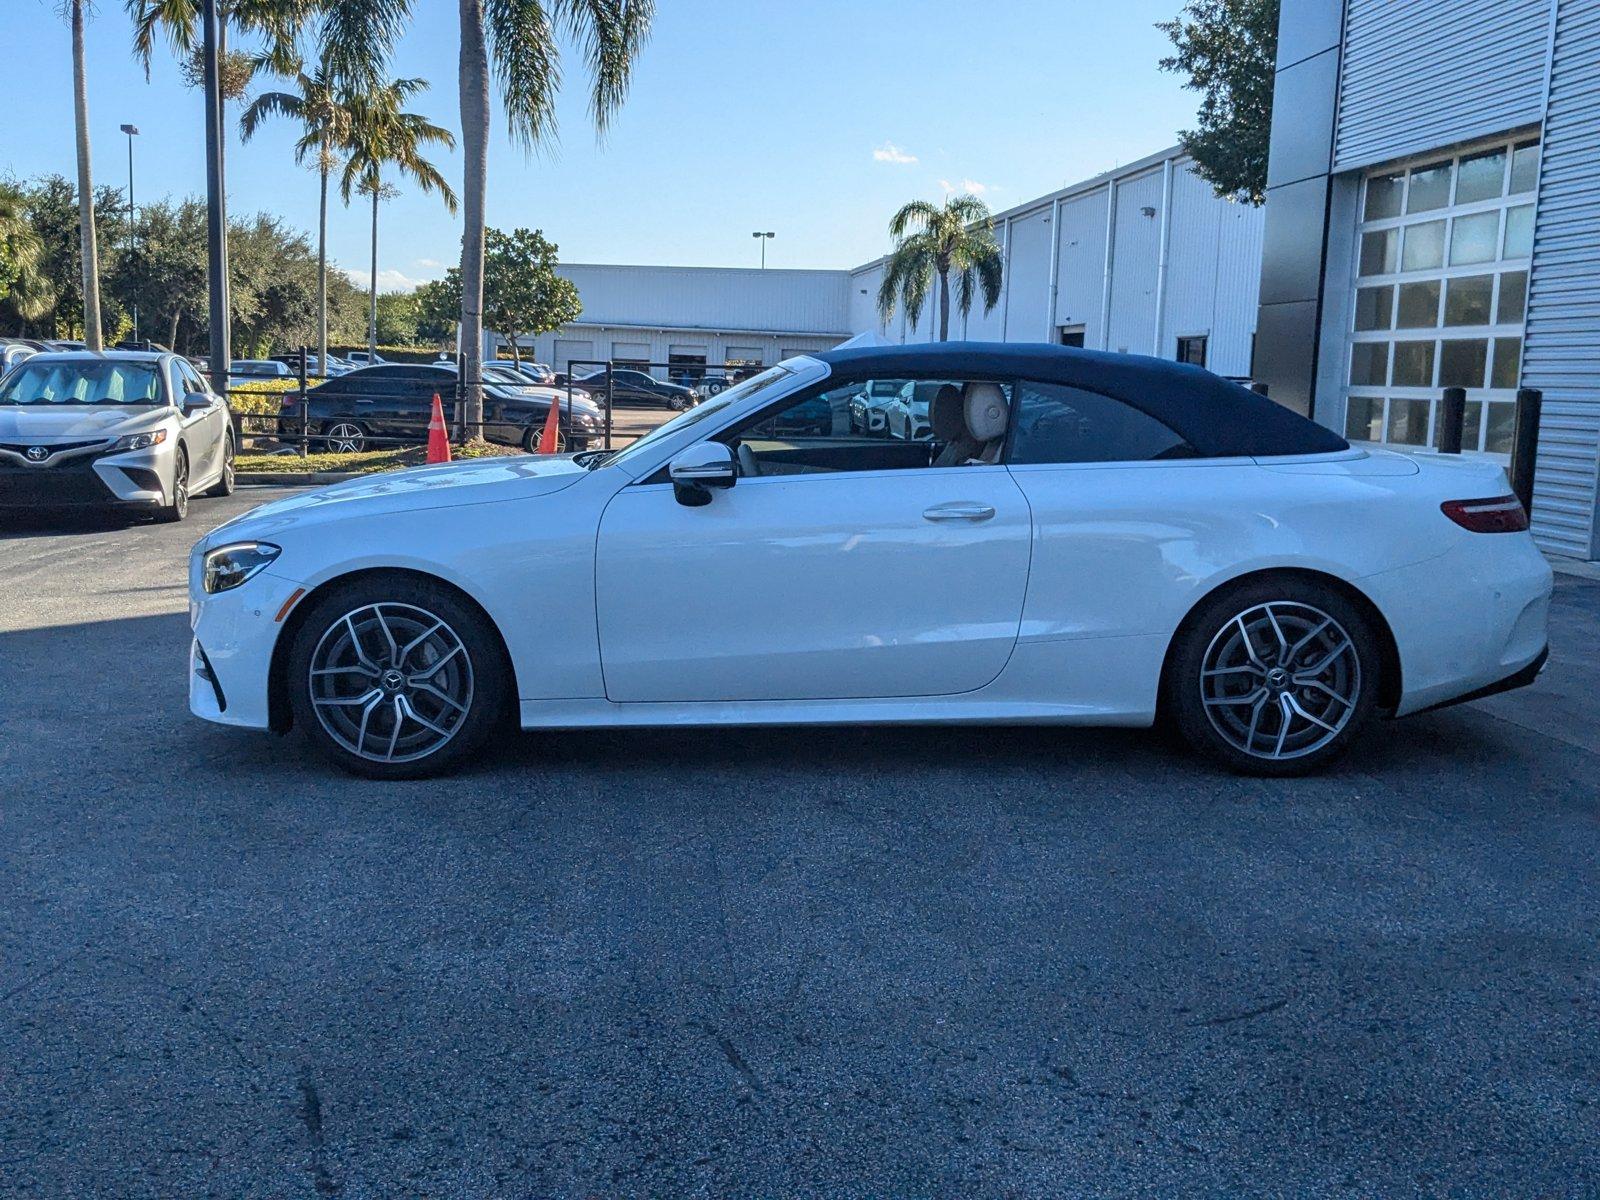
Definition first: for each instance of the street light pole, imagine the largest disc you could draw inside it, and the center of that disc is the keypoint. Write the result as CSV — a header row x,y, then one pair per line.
x,y
132,131
764,238
216,218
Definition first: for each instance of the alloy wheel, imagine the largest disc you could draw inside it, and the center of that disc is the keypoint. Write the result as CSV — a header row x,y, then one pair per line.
x,y
180,486
1280,680
391,683
345,437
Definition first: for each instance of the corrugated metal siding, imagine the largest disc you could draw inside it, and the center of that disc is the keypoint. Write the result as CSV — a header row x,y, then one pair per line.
x,y
1080,282
1213,274
1135,265
1562,349
1418,75
1029,285
712,297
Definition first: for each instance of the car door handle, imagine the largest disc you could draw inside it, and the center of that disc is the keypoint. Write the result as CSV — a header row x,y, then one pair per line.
x,y
959,510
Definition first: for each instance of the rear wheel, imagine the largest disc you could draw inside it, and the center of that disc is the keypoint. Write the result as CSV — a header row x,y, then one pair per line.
x,y
397,678
177,506
344,437
1276,677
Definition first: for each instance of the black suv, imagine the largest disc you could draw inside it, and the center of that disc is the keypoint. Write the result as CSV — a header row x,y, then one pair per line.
x,y
395,400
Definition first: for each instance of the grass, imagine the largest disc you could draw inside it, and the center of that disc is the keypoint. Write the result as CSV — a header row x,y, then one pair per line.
x,y
366,463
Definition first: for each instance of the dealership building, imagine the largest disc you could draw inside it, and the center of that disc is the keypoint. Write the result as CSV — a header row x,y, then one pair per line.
x,y
1433,220
1145,259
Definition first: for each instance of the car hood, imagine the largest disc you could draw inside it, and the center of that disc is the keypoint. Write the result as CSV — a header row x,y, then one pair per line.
x,y
63,422
476,481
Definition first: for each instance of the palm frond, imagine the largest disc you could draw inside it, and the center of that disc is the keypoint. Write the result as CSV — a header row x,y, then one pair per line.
x,y
527,63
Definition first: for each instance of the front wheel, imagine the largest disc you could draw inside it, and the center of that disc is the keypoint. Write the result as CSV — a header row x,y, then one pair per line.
x,y
176,507
532,434
1274,677
396,677
226,484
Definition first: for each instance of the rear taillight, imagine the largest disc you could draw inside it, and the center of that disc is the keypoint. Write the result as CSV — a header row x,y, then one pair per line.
x,y
1497,514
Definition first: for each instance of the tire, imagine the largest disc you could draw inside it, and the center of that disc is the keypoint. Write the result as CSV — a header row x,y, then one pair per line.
x,y
1274,677
177,506
344,437
532,434
225,486
370,715
677,403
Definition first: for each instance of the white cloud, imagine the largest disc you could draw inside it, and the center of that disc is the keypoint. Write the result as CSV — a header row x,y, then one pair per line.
x,y
967,185
389,280
890,153
430,264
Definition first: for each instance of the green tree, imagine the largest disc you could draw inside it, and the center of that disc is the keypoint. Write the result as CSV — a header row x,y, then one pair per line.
x,y
438,308
934,242
382,134
397,319
20,248
522,294
165,272
320,108
1227,49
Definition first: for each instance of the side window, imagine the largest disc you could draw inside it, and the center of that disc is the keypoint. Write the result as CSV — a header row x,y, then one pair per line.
x,y
878,425
188,380
1060,424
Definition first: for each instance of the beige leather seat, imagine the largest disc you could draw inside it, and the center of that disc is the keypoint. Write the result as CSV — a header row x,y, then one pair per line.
x,y
982,414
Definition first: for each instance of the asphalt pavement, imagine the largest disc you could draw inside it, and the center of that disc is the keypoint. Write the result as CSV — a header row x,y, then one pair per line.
x,y
819,962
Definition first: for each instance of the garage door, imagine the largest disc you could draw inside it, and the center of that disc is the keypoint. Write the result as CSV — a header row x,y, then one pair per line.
x,y
569,350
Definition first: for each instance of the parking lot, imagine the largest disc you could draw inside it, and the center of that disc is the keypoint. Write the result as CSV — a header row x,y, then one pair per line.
x,y
955,962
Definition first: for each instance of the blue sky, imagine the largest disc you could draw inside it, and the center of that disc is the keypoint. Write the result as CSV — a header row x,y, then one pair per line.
x,y
815,121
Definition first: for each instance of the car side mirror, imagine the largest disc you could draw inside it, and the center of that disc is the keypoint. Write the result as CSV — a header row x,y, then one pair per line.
x,y
195,402
698,469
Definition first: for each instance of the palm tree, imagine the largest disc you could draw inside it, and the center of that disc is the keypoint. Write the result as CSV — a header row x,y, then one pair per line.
x,y
382,134
934,242
90,251
23,287
325,122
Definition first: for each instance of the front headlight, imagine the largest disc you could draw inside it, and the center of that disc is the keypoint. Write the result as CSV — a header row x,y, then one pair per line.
x,y
139,441
227,567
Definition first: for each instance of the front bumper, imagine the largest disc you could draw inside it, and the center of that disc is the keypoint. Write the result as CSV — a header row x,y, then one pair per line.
x,y
230,659
134,478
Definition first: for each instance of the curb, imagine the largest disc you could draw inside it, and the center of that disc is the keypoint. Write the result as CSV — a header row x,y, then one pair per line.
x,y
296,478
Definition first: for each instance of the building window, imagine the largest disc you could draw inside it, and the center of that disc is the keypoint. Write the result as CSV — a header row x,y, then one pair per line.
x,y
1192,350
1440,294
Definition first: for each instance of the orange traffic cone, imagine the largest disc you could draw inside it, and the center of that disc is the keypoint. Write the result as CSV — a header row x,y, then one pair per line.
x,y
438,439
552,429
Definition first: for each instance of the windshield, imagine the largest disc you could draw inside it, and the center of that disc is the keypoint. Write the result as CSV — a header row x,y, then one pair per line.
x,y
94,382
765,381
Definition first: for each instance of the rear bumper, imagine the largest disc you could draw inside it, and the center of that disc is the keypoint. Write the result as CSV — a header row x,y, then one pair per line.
x,y
1469,621
1517,679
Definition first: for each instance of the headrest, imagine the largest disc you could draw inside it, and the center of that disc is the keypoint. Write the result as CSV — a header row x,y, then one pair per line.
x,y
945,414
985,411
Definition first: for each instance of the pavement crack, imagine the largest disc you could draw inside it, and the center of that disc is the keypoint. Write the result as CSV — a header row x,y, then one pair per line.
x,y
311,1118
40,976
1248,1014
731,1052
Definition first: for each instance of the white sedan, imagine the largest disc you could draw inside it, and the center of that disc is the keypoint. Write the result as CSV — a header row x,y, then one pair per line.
x,y
1077,538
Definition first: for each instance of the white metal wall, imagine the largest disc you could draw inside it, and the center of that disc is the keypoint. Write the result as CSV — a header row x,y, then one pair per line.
x,y
657,345
711,297
1420,74
1561,351
1214,270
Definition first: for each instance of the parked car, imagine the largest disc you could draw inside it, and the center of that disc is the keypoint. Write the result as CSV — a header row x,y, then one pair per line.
x,y
119,428
64,344
867,405
361,358
13,351
243,372
906,415
395,400
1176,546
636,387
532,371
336,366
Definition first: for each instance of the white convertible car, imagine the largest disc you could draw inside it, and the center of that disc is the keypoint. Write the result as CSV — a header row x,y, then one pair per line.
x,y
1079,538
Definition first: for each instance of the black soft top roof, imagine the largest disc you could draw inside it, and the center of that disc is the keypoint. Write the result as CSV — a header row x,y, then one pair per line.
x,y
1219,418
